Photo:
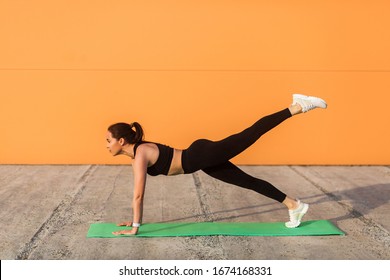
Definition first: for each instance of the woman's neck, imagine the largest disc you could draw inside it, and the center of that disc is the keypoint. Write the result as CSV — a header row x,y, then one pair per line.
x,y
128,150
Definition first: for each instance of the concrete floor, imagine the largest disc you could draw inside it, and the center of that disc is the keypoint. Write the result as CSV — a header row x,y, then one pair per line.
x,y
46,210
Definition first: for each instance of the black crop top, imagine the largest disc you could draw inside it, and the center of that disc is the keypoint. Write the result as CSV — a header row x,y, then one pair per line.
x,y
163,162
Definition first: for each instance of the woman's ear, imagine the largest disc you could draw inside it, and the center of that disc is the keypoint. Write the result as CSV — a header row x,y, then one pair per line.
x,y
121,141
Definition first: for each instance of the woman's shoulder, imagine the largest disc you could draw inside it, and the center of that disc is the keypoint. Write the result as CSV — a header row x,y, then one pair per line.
x,y
147,152
144,146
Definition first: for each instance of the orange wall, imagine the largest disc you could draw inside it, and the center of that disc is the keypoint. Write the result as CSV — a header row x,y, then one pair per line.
x,y
192,69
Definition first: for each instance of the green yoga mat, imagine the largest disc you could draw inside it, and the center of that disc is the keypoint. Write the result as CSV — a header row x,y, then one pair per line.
x,y
319,227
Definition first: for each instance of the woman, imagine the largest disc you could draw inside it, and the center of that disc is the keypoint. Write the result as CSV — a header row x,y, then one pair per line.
x,y
212,157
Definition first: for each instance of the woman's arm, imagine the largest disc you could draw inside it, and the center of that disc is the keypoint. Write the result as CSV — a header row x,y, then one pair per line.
x,y
140,166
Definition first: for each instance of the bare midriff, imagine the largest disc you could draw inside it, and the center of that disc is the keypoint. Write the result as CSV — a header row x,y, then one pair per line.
x,y
176,167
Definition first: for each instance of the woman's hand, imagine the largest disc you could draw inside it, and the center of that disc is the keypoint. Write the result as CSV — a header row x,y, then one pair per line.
x,y
125,224
132,231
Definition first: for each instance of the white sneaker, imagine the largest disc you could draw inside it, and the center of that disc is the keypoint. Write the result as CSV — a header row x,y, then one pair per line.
x,y
308,102
296,215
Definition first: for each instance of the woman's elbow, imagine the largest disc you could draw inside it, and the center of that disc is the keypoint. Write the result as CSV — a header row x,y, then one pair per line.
x,y
138,198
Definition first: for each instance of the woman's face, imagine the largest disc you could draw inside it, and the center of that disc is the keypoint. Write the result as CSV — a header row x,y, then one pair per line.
x,y
113,144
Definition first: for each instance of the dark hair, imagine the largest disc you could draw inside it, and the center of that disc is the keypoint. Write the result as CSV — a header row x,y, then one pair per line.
x,y
125,131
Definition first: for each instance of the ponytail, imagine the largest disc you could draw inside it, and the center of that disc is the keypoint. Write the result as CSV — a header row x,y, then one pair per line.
x,y
126,131
139,132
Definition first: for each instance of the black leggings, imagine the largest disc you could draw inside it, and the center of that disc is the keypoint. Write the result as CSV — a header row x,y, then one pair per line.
x,y
213,157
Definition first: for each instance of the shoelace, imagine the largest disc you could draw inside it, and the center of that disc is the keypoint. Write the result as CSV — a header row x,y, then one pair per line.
x,y
292,217
306,105
292,213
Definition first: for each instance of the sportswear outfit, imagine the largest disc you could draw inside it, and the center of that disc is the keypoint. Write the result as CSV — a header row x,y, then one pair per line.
x,y
213,157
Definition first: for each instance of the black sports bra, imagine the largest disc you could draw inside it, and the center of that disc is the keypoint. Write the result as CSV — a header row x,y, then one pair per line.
x,y
163,163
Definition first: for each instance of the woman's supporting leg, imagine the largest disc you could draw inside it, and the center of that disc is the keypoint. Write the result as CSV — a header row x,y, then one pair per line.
x,y
229,173
205,153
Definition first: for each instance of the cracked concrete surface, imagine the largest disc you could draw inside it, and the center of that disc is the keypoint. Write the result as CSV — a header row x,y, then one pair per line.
x,y
46,211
